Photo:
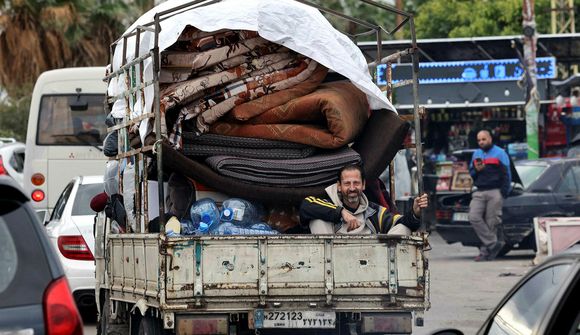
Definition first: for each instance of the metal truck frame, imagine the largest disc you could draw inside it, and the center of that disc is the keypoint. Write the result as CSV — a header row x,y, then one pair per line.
x,y
150,283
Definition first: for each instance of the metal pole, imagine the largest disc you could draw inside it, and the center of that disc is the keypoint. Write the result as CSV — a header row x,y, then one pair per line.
x,y
418,143
389,72
532,106
158,136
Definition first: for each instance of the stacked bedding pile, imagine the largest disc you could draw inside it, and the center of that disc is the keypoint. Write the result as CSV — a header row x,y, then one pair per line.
x,y
256,111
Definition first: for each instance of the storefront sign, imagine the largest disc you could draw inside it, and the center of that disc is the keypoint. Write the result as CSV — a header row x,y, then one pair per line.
x,y
468,71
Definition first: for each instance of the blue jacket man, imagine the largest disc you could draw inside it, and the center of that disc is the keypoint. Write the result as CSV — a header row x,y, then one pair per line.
x,y
490,170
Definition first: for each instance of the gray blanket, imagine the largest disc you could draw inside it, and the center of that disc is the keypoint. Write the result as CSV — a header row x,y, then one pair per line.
x,y
319,169
220,145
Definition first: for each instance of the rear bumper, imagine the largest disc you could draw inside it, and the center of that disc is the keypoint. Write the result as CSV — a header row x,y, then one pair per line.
x,y
518,235
453,233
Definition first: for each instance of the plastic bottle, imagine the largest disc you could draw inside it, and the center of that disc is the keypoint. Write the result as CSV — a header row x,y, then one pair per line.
x,y
239,211
229,228
187,227
205,215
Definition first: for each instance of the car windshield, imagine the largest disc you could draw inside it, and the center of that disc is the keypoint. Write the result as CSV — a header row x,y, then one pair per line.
x,y
529,173
83,198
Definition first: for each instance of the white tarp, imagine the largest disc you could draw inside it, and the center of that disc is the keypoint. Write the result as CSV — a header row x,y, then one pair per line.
x,y
296,26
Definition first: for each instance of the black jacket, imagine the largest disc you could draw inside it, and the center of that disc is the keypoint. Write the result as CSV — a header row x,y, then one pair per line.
x,y
377,218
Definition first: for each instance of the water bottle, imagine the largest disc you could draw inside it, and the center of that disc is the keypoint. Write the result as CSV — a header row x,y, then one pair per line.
x,y
239,211
205,215
187,227
229,228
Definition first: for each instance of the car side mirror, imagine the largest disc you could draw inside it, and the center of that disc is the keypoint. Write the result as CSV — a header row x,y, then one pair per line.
x,y
517,189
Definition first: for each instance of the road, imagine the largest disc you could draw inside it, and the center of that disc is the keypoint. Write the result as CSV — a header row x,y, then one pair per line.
x,y
463,292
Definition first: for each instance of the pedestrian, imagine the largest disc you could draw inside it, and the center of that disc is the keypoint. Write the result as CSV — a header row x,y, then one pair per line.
x,y
347,210
490,170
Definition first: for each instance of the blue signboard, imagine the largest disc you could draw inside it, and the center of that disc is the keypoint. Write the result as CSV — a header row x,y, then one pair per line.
x,y
468,71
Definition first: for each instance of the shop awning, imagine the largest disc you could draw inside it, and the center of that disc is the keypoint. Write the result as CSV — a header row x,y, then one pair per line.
x,y
565,47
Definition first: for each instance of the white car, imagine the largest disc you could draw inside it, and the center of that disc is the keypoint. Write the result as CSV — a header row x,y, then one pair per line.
x,y
12,158
70,230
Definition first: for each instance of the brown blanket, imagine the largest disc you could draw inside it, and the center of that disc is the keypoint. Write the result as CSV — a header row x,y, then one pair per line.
x,y
336,113
258,106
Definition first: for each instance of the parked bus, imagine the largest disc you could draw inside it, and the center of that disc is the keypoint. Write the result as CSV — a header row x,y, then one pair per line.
x,y
65,132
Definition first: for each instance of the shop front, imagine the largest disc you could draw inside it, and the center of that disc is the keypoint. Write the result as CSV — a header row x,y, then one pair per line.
x,y
469,84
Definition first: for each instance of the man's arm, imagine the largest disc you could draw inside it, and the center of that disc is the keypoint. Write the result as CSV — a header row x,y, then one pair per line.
x,y
472,170
388,220
313,208
507,183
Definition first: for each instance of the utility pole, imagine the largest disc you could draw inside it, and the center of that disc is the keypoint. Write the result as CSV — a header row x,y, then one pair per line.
x,y
563,22
532,106
562,16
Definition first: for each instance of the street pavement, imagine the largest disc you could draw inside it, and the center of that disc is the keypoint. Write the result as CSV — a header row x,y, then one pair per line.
x,y
463,292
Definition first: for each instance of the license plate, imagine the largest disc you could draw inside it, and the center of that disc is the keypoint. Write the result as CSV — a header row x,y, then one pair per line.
x,y
460,216
294,319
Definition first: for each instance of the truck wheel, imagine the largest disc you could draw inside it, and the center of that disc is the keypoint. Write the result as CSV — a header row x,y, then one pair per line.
x,y
106,326
150,326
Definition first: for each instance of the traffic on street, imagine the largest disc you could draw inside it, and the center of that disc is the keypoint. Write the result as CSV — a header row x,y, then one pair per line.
x,y
229,167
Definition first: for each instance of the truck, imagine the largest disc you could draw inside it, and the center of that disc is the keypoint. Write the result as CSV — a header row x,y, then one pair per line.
x,y
152,282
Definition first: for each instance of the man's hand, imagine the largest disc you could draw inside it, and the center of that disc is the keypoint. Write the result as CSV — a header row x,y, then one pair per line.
x,y
350,220
478,165
419,203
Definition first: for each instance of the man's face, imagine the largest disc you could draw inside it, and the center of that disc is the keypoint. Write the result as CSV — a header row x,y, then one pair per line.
x,y
351,187
484,140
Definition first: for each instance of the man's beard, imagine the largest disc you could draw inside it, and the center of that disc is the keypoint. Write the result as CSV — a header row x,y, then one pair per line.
x,y
352,198
487,147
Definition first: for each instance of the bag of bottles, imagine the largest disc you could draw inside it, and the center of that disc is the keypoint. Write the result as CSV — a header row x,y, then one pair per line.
x,y
229,228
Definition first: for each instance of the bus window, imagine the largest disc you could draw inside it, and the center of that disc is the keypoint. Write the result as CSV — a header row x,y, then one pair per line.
x,y
83,124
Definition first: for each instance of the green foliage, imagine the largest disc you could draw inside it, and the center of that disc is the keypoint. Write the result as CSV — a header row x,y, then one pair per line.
x,y
14,117
468,18
360,10
51,34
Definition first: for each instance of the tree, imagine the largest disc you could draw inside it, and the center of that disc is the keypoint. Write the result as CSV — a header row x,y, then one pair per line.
x,y
14,115
360,10
36,36
468,18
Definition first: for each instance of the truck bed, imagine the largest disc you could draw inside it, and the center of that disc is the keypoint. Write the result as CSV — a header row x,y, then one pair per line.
x,y
242,273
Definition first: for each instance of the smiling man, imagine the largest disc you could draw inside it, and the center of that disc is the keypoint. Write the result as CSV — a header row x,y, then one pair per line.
x,y
348,211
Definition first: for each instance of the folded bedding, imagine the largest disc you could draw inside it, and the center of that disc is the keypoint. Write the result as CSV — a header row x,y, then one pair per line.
x,y
336,113
213,145
320,169
205,111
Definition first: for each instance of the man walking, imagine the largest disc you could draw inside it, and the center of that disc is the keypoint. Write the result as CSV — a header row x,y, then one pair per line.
x,y
490,170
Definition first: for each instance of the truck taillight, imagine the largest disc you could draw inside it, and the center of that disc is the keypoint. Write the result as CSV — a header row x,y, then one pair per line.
x,y
443,214
37,195
75,247
37,179
61,316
